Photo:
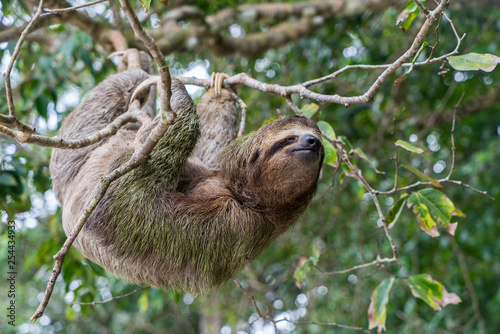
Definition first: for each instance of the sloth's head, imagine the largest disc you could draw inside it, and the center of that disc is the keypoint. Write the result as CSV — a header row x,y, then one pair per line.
x,y
277,167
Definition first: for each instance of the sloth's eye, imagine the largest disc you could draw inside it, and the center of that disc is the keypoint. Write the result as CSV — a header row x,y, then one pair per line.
x,y
292,139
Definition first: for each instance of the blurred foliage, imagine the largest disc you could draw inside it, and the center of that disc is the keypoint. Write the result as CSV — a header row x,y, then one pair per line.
x,y
341,223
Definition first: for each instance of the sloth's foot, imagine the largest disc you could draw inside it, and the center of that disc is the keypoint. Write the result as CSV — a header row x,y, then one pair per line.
x,y
216,81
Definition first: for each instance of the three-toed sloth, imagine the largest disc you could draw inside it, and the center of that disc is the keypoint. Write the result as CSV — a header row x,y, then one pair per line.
x,y
203,206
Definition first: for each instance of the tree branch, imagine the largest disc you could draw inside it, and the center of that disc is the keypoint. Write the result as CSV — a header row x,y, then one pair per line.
x,y
377,262
69,9
138,157
57,142
165,83
15,54
94,303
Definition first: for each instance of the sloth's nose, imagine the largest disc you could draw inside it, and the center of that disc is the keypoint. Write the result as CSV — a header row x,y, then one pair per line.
x,y
311,142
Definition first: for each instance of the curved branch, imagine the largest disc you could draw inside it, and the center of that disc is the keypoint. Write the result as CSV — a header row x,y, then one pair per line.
x,y
79,19
165,84
57,142
94,303
69,9
15,54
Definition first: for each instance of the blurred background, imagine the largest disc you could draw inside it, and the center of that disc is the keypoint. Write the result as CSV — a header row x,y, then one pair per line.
x,y
67,55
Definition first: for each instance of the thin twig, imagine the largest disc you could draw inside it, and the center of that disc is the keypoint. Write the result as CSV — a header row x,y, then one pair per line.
x,y
244,109
164,90
461,183
421,6
357,174
452,133
69,9
293,106
367,97
15,54
376,262
274,322
255,306
433,48
252,299
427,183
452,168
57,142
329,324
94,303
468,281
305,93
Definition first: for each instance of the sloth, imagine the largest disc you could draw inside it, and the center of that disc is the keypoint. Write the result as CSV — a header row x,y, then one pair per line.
x,y
203,206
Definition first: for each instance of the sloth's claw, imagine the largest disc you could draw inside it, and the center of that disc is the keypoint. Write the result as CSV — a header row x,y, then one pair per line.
x,y
116,53
216,81
153,80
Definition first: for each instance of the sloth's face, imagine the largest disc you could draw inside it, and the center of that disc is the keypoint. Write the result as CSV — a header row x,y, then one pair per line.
x,y
290,158
301,143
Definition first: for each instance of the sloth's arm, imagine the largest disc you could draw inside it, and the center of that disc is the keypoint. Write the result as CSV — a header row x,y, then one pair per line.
x,y
218,118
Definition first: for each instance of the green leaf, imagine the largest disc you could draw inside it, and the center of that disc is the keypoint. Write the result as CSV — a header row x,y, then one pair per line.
x,y
424,46
433,207
7,179
409,20
377,311
304,266
474,61
346,142
310,109
396,210
430,291
342,176
330,153
345,168
410,147
41,103
301,271
146,5
425,220
407,16
327,129
314,256
410,7
143,301
418,173
67,48
363,156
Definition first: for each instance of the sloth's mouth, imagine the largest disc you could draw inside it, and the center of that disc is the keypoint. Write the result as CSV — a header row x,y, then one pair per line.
x,y
308,153
310,150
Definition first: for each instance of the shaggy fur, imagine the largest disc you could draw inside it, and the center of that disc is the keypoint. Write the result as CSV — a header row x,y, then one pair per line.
x,y
192,217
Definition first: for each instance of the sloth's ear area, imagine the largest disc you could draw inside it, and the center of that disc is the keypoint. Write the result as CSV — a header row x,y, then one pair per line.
x,y
151,81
